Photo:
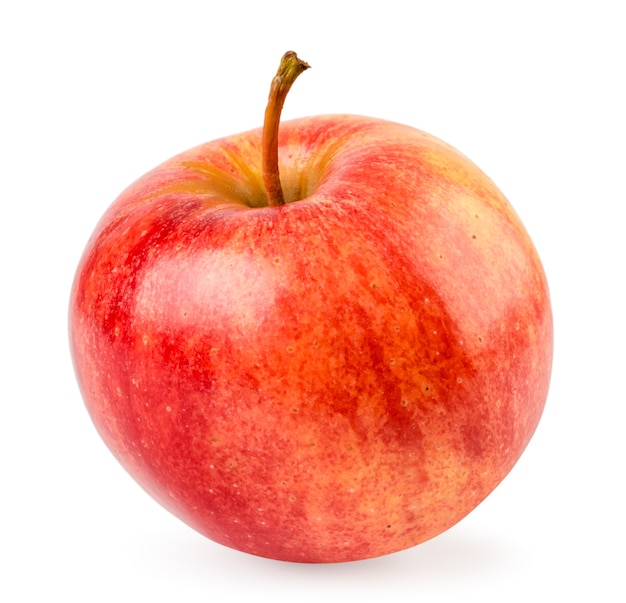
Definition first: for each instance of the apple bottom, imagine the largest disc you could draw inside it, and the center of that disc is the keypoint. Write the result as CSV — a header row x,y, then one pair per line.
x,y
327,475
351,511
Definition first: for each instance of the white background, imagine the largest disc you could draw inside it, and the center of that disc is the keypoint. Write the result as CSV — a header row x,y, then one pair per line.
x,y
93,94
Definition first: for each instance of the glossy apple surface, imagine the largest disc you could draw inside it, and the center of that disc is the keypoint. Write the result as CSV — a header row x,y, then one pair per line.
x,y
337,378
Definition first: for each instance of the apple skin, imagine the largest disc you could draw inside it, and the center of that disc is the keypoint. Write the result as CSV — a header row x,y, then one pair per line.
x,y
337,378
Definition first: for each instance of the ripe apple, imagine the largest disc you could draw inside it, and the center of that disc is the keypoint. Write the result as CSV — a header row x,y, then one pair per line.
x,y
330,365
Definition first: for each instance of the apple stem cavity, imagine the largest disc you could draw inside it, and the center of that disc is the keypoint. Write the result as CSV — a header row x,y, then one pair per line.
x,y
290,68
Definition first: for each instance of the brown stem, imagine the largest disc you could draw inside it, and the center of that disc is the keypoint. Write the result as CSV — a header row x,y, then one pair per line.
x,y
290,68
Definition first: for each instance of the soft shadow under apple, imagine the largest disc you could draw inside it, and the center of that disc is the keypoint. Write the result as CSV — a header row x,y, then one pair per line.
x,y
460,556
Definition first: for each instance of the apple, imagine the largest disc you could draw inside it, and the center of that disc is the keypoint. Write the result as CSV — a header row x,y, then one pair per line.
x,y
323,343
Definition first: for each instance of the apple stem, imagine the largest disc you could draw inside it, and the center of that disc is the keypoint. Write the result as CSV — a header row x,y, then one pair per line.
x,y
290,68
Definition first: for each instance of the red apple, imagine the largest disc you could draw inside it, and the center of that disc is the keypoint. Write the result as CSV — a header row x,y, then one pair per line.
x,y
334,377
